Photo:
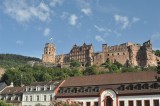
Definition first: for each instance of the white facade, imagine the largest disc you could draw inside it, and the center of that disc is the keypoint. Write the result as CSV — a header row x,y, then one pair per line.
x,y
42,95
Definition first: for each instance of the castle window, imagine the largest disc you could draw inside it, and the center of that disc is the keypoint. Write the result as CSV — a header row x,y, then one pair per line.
x,y
112,54
123,53
130,103
117,53
108,54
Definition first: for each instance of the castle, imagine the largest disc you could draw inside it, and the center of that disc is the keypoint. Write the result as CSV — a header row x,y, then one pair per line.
x,y
128,54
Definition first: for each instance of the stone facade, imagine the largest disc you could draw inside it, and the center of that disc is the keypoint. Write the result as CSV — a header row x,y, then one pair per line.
x,y
49,53
128,54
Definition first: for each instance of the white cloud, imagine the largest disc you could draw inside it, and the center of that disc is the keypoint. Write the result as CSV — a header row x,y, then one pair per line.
x,y
86,11
122,20
22,11
99,39
99,28
46,32
135,19
125,21
19,42
64,15
53,3
155,36
73,19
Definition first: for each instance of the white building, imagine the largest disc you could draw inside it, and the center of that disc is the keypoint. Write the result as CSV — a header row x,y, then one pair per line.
x,y
116,89
41,93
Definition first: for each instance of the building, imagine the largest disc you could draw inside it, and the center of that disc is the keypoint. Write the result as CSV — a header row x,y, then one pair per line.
x,y
49,53
116,89
41,93
12,95
128,54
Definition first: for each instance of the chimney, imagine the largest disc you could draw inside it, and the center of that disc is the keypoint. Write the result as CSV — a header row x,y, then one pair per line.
x,y
11,85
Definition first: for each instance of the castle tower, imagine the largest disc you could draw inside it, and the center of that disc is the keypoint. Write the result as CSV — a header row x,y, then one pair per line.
x,y
49,53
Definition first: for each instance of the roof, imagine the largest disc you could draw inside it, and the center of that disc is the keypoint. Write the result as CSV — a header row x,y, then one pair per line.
x,y
80,47
13,90
56,83
112,78
118,82
2,85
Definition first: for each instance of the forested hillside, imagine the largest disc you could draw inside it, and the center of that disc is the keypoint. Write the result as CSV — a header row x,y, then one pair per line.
x,y
14,60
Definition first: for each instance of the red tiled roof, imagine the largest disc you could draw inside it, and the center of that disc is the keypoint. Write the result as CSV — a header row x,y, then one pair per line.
x,y
113,78
13,90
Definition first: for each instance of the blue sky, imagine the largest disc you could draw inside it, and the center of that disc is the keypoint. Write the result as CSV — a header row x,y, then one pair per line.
x,y
26,25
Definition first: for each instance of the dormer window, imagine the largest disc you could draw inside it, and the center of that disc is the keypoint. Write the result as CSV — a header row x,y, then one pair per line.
x,y
130,87
96,89
155,85
42,88
81,89
122,87
138,86
145,86
74,90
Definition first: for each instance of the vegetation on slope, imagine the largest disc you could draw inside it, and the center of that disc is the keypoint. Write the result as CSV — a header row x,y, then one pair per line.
x,y
13,60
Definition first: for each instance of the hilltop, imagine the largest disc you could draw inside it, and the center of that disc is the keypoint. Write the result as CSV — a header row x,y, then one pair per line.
x,y
14,60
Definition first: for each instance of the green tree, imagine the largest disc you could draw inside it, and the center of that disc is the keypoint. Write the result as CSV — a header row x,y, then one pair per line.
x,y
46,77
74,63
157,53
90,71
2,103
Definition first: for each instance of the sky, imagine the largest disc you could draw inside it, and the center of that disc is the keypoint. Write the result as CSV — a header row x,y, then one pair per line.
x,y
26,25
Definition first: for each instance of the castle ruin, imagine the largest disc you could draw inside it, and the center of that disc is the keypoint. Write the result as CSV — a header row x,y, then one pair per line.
x,y
128,54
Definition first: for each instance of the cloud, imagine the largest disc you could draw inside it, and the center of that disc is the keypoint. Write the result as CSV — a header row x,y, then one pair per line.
x,y
99,28
99,39
105,31
54,3
125,21
135,19
64,15
22,11
19,42
155,36
73,19
46,32
122,20
87,11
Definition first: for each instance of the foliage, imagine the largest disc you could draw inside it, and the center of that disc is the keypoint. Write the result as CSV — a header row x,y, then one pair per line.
x,y
13,60
2,103
66,103
157,53
90,70
74,63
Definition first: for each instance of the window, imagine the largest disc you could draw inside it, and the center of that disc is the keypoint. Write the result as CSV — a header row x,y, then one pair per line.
x,y
139,103
130,103
95,103
51,98
88,104
146,103
155,102
30,98
38,98
26,98
121,103
45,98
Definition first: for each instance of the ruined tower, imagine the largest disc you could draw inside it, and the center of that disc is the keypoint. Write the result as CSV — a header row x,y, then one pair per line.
x,y
49,53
